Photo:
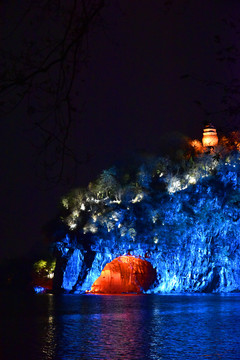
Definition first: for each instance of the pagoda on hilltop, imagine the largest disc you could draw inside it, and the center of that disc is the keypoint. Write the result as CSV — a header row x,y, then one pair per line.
x,y
210,138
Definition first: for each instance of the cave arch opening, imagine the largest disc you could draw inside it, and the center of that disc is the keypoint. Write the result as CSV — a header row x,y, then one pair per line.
x,y
125,274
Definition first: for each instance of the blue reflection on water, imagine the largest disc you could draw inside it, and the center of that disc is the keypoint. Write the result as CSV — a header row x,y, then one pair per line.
x,y
121,327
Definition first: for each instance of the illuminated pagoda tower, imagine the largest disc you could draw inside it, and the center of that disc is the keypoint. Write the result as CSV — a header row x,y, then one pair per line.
x,y
210,138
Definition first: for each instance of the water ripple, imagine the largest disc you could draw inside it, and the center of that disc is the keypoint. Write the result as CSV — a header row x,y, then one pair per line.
x,y
154,327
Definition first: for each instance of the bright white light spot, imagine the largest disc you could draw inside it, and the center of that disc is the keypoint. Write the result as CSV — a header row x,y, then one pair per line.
x,y
192,180
82,207
72,225
175,185
51,276
137,198
93,229
155,239
115,202
154,218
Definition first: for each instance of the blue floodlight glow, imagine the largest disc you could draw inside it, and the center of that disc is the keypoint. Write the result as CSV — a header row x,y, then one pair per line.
x,y
39,289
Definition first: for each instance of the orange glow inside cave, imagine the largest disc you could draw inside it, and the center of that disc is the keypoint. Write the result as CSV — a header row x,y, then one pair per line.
x,y
125,274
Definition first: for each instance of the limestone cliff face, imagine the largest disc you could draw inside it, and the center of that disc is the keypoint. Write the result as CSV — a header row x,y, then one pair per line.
x,y
194,270
125,274
188,232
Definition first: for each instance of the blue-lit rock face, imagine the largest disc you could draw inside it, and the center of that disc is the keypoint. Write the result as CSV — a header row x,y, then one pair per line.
x,y
72,270
187,226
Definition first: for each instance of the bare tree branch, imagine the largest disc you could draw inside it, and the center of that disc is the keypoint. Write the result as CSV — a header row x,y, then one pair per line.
x,y
42,70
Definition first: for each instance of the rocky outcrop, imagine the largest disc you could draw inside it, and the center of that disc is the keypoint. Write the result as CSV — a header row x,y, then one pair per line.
x,y
188,231
194,270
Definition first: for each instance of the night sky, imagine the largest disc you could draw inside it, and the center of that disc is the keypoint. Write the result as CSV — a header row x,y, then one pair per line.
x,y
133,95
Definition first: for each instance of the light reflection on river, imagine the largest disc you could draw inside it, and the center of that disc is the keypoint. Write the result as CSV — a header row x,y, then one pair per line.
x,y
156,327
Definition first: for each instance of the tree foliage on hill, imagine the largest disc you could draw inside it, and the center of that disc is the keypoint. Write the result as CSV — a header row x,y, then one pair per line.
x,y
162,205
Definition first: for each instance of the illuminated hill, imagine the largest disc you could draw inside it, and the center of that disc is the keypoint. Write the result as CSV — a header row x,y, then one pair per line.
x,y
182,216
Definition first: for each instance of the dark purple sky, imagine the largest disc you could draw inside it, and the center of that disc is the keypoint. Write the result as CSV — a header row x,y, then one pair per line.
x,y
133,95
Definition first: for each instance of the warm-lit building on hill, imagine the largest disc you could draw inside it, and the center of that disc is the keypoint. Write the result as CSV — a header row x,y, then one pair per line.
x,y
210,138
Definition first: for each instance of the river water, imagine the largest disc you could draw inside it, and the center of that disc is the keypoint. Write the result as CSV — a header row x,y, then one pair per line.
x,y
112,327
